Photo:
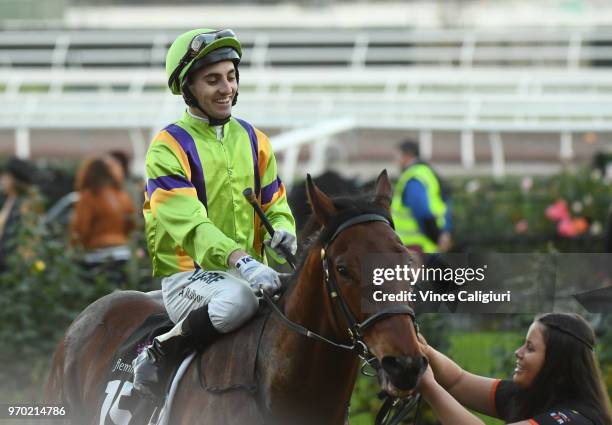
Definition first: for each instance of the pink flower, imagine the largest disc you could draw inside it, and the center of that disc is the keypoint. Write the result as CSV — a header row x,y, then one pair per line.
x,y
558,211
526,184
571,228
566,228
521,226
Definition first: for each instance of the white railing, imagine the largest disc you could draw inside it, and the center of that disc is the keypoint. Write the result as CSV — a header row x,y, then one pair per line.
x,y
320,101
388,81
461,99
493,115
503,113
571,48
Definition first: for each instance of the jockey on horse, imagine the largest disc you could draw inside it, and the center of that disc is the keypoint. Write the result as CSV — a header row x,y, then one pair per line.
x,y
203,236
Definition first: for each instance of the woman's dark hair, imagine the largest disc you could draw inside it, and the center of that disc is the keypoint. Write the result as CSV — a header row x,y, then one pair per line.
x,y
570,372
22,172
123,159
95,175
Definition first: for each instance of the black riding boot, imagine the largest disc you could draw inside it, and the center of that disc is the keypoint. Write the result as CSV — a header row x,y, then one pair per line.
x,y
195,331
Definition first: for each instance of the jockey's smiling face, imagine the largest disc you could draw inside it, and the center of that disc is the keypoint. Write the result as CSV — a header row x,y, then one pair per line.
x,y
215,86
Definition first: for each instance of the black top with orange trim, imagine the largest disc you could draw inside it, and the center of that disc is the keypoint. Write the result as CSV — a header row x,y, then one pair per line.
x,y
503,397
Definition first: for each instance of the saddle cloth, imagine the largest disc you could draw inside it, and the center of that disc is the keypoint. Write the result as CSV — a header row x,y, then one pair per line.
x,y
122,405
227,365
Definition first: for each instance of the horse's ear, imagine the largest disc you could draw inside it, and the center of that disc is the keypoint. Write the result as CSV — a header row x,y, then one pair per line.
x,y
384,191
322,206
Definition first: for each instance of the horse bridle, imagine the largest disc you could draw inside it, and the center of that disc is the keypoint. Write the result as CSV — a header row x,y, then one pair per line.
x,y
355,328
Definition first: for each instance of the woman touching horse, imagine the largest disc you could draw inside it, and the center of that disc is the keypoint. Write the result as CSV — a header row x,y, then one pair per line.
x,y
556,381
300,379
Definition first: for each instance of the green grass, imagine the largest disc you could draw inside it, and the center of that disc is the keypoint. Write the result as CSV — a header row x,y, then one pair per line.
x,y
485,353
480,352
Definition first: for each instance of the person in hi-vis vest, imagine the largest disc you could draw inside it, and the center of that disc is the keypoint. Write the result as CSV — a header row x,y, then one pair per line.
x,y
420,209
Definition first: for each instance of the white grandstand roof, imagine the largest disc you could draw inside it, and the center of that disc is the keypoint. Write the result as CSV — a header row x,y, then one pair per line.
x,y
414,14
344,15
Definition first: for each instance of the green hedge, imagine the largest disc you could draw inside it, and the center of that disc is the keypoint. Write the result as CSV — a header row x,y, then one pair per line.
x,y
509,215
43,290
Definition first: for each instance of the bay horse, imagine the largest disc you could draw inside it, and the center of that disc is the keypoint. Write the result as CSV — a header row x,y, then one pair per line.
x,y
300,380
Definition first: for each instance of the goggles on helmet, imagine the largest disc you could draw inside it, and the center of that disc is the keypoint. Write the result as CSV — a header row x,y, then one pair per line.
x,y
197,44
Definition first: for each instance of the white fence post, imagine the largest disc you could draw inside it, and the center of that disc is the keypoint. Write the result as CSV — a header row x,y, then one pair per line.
x,y
317,163
22,143
467,149
425,144
139,150
289,165
566,149
497,155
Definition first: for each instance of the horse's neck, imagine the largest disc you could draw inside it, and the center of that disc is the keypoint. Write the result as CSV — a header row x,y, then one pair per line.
x,y
303,374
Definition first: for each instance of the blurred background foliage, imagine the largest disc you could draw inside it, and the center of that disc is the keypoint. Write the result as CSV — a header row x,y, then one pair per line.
x,y
510,215
45,288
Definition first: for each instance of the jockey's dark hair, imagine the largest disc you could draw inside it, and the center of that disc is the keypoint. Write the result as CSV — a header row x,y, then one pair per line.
x,y
570,371
409,146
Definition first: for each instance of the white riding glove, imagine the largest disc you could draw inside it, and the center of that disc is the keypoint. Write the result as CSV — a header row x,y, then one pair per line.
x,y
281,239
258,275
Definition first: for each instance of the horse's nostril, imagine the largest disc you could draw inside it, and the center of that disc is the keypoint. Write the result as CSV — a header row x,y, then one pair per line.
x,y
396,365
403,372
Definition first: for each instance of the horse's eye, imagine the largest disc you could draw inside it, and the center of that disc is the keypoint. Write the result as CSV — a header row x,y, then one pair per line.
x,y
342,270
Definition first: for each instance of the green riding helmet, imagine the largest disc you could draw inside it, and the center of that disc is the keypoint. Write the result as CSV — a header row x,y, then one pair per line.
x,y
197,48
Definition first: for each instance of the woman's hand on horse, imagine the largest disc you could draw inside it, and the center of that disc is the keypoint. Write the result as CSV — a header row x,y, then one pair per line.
x,y
427,381
424,346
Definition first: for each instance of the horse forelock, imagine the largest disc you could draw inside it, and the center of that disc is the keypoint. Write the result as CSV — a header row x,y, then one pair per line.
x,y
347,209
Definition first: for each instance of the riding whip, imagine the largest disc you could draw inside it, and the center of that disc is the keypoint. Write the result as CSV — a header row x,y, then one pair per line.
x,y
252,199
